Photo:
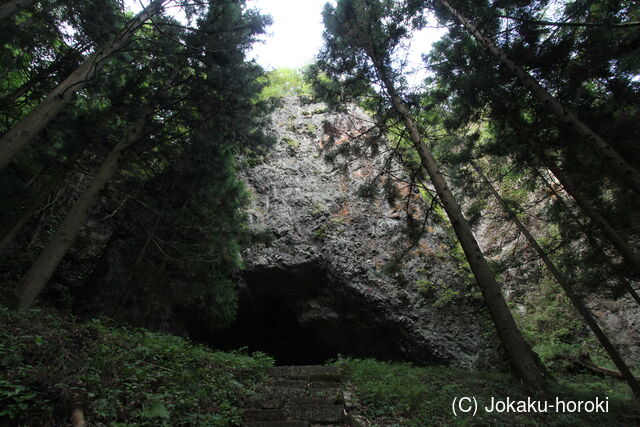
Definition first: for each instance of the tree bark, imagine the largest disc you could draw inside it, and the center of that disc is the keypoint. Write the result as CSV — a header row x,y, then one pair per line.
x,y
567,287
10,8
615,161
77,417
40,272
40,76
23,133
603,25
586,362
9,237
629,256
524,362
589,236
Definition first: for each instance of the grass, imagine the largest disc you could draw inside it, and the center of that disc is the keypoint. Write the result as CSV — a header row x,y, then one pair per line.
x,y
397,394
132,377
119,377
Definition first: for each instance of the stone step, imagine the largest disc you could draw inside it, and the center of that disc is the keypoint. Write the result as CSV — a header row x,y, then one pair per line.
x,y
312,413
318,413
286,383
276,424
323,385
320,400
312,373
264,414
296,396
282,393
265,400
275,401
310,392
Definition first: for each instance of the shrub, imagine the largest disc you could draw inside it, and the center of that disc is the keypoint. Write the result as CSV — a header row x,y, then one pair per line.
x,y
285,82
118,376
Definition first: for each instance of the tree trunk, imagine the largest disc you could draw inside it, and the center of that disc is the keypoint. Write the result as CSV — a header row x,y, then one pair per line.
x,y
40,272
23,133
632,292
11,234
629,256
10,8
590,238
77,417
566,286
523,360
615,161
40,76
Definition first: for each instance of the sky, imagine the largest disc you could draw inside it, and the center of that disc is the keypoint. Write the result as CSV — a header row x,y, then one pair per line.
x,y
295,36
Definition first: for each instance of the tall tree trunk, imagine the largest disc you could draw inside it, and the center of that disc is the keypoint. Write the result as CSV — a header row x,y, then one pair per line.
x,y
566,286
629,256
632,292
615,161
40,272
10,235
524,362
589,235
23,133
10,8
12,232
41,75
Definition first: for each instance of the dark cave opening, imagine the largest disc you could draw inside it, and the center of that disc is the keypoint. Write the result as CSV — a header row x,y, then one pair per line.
x,y
295,316
277,332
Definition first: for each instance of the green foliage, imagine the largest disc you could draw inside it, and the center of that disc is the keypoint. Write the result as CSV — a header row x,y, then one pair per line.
x,y
320,110
329,227
292,144
399,394
311,129
554,330
175,212
585,69
118,376
445,294
318,209
284,82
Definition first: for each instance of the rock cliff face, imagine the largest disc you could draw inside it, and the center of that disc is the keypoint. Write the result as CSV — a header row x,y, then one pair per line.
x,y
619,317
320,285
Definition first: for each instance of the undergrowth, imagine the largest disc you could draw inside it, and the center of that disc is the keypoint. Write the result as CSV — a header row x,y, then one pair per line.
x,y
399,394
119,377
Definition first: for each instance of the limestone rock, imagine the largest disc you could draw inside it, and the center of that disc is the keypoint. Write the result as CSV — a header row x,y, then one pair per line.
x,y
318,287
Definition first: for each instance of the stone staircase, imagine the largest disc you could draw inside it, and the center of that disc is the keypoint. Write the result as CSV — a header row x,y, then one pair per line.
x,y
300,396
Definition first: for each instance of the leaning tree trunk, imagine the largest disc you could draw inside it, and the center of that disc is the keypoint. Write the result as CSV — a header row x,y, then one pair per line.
x,y
588,234
43,267
566,286
10,8
524,362
629,256
40,76
12,232
615,161
23,133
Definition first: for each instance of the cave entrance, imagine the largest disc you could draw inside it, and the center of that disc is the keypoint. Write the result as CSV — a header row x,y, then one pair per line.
x,y
275,330
293,315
